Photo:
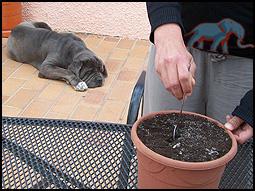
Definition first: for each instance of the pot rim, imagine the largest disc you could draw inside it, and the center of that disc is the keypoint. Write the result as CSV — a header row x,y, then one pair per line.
x,y
182,164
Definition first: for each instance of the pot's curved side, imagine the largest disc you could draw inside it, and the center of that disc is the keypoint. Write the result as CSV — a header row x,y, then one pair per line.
x,y
171,177
157,171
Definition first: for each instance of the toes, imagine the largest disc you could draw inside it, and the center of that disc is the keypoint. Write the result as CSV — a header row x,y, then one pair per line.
x,y
81,86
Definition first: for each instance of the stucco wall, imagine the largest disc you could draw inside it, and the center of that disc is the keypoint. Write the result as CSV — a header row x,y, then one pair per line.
x,y
124,19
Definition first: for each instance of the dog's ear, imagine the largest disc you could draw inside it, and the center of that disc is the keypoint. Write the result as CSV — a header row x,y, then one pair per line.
x,y
75,67
79,61
104,72
100,64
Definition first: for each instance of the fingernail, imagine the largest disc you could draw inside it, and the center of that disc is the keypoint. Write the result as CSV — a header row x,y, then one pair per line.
x,y
228,117
229,126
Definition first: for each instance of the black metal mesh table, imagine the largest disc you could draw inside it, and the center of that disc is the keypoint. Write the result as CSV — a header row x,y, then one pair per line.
x,y
45,153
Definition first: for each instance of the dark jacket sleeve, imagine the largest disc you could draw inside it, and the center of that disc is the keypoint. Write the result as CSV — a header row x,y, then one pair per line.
x,y
245,109
160,13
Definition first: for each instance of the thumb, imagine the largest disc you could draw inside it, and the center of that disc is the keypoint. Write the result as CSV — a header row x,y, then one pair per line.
x,y
228,117
192,84
234,123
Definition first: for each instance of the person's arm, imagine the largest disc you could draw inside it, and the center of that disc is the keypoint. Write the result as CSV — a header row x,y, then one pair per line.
x,y
172,60
161,13
241,121
245,109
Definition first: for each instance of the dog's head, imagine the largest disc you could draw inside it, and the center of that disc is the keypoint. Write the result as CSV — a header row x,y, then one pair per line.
x,y
89,68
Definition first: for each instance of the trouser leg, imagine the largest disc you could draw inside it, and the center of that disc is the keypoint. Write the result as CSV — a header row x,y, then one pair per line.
x,y
228,80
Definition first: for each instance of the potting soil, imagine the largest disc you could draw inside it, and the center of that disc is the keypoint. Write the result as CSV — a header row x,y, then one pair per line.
x,y
197,139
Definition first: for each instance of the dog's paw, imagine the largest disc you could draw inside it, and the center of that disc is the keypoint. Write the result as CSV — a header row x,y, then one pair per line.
x,y
81,86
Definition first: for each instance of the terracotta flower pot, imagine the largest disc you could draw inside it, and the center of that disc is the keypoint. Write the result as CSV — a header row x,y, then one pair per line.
x,y
157,171
11,16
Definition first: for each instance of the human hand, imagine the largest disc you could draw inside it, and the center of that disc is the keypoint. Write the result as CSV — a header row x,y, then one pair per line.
x,y
241,130
172,61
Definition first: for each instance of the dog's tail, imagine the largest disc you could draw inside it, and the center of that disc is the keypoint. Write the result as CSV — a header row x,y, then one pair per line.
x,y
41,25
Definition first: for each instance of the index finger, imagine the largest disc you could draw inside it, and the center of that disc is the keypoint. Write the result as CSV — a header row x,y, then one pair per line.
x,y
192,67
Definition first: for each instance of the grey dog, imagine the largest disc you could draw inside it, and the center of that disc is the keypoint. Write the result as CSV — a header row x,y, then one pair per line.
x,y
57,56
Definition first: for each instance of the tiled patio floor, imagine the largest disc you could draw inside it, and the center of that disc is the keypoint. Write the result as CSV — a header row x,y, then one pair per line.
x,y
24,94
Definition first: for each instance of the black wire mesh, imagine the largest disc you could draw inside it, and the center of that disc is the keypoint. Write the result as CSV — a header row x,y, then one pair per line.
x,y
39,153
239,172
45,153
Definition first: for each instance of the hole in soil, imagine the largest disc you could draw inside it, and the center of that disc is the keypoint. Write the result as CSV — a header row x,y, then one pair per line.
x,y
174,136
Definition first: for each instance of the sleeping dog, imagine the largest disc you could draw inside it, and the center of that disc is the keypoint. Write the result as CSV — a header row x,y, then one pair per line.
x,y
57,56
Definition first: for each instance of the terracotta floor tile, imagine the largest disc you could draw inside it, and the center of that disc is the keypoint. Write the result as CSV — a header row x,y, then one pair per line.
x,y
84,112
36,83
52,115
98,90
125,43
144,67
11,85
62,108
139,51
111,111
37,108
83,36
94,98
119,54
133,63
111,39
123,117
12,64
4,98
146,61
120,91
6,72
4,42
65,103
71,97
10,111
127,75
58,82
25,71
4,77
52,91
21,98
93,41
113,65
108,81
146,43
70,89
106,46
4,54
102,56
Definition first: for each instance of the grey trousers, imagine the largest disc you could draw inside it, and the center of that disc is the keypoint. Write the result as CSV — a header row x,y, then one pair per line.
x,y
221,82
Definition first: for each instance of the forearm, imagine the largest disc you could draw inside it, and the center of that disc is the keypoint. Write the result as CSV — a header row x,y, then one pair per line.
x,y
245,109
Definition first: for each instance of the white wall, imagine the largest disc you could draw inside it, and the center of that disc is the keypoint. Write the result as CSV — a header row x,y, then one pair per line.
x,y
124,19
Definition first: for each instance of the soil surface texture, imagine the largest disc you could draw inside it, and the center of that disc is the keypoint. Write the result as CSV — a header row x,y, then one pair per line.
x,y
196,139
